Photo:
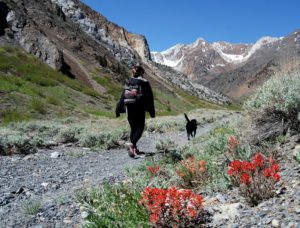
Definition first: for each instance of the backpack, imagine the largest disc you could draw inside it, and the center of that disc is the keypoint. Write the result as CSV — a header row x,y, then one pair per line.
x,y
132,94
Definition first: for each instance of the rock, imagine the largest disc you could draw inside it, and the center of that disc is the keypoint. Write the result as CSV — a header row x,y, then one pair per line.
x,y
45,185
227,212
50,144
281,191
67,221
39,45
19,191
221,198
84,215
55,155
296,153
68,145
211,201
291,225
38,226
275,223
28,157
2,211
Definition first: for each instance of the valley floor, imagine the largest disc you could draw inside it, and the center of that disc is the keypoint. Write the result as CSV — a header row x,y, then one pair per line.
x,y
46,183
51,179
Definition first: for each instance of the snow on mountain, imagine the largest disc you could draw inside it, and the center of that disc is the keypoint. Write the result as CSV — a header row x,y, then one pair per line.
x,y
170,57
230,53
236,59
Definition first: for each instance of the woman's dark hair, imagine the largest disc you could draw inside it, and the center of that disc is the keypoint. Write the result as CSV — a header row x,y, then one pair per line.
x,y
138,71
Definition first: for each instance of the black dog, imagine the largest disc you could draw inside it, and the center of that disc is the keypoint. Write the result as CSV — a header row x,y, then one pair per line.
x,y
191,127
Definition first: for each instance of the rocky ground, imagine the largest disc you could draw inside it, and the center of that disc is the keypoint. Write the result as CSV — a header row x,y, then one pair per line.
x,y
39,190
47,182
231,210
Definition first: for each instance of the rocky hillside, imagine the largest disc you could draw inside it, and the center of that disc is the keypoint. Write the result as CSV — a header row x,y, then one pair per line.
x,y
233,69
74,39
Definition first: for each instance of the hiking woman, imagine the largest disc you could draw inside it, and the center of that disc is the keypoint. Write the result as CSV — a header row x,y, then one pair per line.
x,y
137,97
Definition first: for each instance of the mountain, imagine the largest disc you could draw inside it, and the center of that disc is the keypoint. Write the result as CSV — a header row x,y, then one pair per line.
x,y
81,43
233,69
88,54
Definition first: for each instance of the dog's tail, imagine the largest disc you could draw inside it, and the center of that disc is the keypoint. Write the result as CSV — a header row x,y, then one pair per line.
x,y
186,117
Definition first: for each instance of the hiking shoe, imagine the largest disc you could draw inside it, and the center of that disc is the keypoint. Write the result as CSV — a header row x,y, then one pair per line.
x,y
137,152
130,149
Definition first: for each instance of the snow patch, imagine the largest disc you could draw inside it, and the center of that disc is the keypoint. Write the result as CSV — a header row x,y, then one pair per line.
x,y
172,63
173,50
245,56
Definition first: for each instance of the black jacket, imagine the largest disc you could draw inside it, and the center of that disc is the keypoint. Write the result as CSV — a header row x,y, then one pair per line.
x,y
147,101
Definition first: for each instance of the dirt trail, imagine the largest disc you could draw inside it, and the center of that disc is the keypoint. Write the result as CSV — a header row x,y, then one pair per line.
x,y
53,182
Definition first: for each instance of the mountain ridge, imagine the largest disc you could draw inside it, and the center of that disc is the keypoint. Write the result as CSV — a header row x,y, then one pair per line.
x,y
211,64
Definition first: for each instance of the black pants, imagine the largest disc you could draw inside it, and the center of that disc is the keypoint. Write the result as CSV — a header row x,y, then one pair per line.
x,y
136,119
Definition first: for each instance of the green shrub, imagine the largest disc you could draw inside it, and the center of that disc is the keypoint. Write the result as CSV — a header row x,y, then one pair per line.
x,y
114,206
142,177
212,148
276,105
53,100
38,106
281,92
297,153
90,92
32,207
106,140
69,135
17,144
165,146
10,116
165,126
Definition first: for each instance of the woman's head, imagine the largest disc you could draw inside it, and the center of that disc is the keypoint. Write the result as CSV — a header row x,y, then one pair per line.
x,y
138,71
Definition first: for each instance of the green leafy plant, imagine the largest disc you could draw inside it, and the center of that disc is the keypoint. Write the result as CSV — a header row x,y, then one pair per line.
x,y
17,144
32,207
114,206
277,102
297,153
165,146
38,106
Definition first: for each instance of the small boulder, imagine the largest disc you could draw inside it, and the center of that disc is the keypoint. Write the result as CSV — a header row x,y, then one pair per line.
x,y
55,155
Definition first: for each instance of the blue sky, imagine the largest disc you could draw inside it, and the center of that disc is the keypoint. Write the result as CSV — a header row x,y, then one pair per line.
x,y
169,22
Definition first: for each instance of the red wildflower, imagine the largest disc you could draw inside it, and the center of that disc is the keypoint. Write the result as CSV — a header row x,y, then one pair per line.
x,y
271,160
232,143
153,169
248,167
245,178
258,159
192,212
171,206
276,177
275,168
153,218
267,172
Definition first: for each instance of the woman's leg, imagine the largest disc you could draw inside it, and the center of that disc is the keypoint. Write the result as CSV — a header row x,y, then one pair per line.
x,y
138,128
136,119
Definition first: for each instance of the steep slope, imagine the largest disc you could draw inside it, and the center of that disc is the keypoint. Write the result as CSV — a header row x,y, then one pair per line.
x,y
72,38
29,89
232,69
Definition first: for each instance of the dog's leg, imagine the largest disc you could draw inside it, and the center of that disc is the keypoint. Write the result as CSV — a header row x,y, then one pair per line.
x,y
188,135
